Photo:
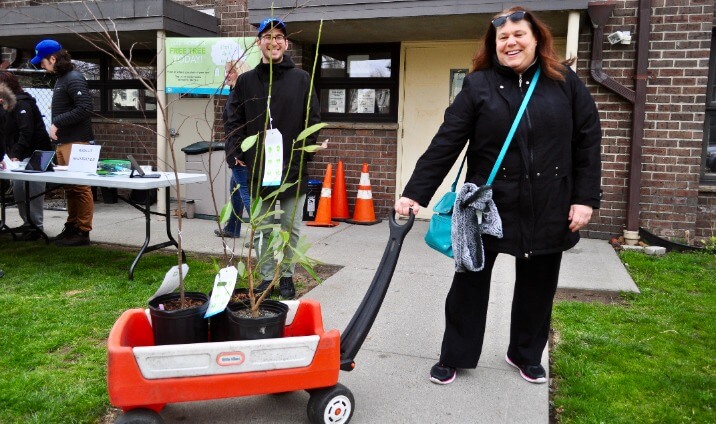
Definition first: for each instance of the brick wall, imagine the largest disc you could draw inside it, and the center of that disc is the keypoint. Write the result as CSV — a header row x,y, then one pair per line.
x,y
119,139
355,145
673,135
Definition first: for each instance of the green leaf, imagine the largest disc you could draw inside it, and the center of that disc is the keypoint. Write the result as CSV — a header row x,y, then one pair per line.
x,y
311,149
249,142
310,130
226,211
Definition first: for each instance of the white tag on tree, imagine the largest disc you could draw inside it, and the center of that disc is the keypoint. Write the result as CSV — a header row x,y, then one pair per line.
x,y
171,280
273,154
224,284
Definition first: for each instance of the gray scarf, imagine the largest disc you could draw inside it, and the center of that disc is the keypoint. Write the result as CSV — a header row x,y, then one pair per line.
x,y
468,226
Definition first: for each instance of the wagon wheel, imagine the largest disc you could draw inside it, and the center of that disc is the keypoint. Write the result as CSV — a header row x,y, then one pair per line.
x,y
331,405
139,416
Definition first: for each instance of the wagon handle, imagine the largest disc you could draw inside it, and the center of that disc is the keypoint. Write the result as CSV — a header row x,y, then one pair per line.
x,y
355,333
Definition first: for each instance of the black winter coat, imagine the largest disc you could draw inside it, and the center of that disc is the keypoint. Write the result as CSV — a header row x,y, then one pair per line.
x,y
72,108
247,116
24,129
553,161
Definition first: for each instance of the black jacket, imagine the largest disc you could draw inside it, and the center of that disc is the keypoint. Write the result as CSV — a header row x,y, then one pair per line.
x,y
553,161
24,129
247,116
229,110
72,108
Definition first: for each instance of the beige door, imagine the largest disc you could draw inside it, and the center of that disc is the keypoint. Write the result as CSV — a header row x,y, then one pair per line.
x,y
426,81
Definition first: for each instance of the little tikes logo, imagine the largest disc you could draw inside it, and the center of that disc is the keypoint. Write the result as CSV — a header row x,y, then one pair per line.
x,y
230,359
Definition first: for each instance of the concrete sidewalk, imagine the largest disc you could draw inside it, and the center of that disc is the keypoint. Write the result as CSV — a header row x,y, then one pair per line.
x,y
390,382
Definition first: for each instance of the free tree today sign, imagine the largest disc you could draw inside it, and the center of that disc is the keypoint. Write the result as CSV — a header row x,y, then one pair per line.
x,y
198,65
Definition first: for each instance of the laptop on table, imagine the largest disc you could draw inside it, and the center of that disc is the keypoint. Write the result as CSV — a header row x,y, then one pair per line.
x,y
40,161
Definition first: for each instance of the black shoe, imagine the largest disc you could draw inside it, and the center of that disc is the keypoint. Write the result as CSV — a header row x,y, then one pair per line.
x,y
69,229
442,374
532,373
263,286
226,234
29,236
78,238
286,288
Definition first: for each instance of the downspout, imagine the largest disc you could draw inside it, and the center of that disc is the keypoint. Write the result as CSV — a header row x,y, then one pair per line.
x,y
599,13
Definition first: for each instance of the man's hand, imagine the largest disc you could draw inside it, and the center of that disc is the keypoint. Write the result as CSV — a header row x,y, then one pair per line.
x,y
53,132
403,206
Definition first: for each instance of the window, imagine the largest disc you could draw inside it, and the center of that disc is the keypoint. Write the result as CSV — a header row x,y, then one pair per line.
x,y
115,90
359,82
710,120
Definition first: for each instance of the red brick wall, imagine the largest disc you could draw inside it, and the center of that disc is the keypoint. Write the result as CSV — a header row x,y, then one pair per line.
x,y
355,146
680,42
119,139
706,216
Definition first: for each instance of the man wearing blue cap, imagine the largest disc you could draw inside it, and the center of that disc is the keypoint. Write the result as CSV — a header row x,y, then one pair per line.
x,y
71,124
275,86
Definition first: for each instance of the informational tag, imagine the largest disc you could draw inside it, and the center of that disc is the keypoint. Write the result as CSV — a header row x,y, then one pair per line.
x,y
171,280
83,158
273,152
224,284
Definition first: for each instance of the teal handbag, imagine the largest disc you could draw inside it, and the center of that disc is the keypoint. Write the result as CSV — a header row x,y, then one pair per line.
x,y
439,235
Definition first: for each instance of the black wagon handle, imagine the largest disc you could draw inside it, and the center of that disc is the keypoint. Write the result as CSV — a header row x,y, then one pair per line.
x,y
357,330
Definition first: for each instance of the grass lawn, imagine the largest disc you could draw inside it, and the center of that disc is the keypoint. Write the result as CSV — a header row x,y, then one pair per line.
x,y
57,306
650,360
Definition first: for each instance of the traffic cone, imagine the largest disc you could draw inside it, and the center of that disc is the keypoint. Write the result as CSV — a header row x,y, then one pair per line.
x,y
323,212
364,213
339,201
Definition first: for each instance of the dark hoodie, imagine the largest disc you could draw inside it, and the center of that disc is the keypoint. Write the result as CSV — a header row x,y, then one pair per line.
x,y
290,94
24,129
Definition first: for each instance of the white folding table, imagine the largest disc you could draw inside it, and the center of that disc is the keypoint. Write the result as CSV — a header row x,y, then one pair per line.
x,y
166,180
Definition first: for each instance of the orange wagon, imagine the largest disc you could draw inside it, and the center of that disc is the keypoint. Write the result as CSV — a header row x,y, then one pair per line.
x,y
142,378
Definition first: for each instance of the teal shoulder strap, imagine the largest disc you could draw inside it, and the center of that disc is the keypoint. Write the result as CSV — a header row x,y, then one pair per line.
x,y
515,123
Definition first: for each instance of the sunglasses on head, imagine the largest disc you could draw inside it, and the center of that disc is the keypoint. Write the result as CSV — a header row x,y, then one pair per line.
x,y
514,17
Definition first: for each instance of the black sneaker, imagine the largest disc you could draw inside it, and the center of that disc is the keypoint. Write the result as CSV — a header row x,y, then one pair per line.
x,y
226,234
77,238
287,288
69,229
442,374
532,373
263,286
30,236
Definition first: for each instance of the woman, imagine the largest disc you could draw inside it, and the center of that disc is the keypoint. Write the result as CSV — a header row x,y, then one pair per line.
x,y
71,124
24,132
545,190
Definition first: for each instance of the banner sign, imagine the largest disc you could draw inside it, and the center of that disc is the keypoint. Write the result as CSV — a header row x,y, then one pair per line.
x,y
198,65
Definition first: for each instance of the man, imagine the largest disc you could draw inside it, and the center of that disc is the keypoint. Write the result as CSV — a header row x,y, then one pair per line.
x,y
71,124
286,103
240,197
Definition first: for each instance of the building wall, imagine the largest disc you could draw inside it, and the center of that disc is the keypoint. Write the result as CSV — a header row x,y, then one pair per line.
x,y
680,43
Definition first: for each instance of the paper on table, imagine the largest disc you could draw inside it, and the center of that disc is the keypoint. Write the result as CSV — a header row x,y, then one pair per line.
x,y
10,165
171,280
224,284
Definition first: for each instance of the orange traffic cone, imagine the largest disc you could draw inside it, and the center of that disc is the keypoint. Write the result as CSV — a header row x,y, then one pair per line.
x,y
339,201
323,212
364,213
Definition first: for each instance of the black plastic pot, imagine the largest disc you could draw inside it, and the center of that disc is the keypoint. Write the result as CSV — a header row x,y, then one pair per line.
x,y
182,325
219,323
247,328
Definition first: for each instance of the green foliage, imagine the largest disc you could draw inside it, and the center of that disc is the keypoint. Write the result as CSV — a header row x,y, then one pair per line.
x,y
55,316
650,360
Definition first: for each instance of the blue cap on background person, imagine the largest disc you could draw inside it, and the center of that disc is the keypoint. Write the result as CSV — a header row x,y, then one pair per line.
x,y
43,49
269,23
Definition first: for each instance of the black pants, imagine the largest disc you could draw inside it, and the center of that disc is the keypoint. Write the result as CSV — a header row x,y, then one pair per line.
x,y
466,311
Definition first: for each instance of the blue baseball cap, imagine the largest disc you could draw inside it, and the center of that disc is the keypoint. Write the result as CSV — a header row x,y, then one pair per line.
x,y
269,23
43,49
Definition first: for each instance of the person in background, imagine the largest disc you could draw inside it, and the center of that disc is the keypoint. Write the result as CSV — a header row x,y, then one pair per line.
x,y
240,197
545,191
71,124
23,133
290,93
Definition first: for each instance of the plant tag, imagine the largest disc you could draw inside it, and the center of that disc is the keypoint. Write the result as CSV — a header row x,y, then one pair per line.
x,y
273,153
224,284
171,280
